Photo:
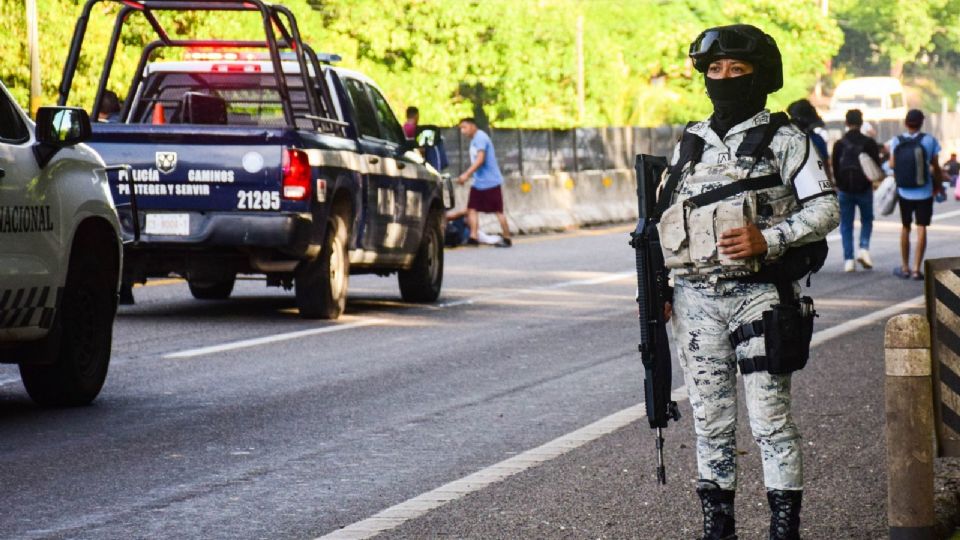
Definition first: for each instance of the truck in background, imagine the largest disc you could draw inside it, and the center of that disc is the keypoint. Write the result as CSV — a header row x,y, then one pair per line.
x,y
262,157
879,98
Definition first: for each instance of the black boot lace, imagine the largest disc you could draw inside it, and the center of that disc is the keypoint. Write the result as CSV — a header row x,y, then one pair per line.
x,y
784,514
718,512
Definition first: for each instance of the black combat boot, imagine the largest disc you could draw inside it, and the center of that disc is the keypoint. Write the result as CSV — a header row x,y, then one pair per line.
x,y
718,518
784,514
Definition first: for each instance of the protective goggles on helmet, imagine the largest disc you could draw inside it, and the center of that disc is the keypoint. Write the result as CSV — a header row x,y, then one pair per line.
x,y
722,42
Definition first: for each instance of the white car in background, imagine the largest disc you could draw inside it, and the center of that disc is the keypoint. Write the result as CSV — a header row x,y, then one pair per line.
x,y
60,254
878,98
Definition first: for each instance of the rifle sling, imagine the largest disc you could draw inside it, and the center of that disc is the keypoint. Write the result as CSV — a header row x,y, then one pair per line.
x,y
735,188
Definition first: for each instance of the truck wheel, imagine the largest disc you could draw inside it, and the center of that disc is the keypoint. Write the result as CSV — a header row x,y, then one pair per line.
x,y
212,290
422,282
321,284
82,333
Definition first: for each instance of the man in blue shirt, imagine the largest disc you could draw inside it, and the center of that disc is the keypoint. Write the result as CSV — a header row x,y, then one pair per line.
x,y
916,203
485,193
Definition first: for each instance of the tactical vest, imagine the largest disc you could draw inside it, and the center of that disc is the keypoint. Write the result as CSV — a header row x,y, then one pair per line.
x,y
700,201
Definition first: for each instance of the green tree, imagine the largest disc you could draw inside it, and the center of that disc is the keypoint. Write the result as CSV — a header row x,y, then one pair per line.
x,y
512,63
898,31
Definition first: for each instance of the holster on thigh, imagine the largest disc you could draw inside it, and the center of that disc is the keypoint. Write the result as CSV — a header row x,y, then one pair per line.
x,y
787,330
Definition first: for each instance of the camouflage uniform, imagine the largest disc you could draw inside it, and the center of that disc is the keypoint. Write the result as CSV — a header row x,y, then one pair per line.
x,y
709,303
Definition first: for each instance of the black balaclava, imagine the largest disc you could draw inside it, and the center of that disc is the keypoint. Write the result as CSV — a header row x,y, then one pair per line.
x,y
734,100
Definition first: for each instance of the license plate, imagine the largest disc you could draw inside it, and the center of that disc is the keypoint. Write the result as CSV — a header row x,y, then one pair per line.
x,y
168,224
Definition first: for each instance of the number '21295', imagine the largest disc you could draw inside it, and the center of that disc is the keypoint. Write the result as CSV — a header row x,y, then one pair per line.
x,y
258,200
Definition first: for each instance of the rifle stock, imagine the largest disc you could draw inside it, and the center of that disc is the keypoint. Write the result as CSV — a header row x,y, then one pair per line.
x,y
653,292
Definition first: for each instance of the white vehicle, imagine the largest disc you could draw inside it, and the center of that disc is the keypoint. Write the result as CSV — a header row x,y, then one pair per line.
x,y
60,254
878,98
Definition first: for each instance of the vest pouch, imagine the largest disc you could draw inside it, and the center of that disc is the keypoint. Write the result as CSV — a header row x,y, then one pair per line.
x,y
673,237
703,236
729,215
787,331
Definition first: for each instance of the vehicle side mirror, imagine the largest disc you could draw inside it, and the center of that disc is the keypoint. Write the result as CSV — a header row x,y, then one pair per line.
x,y
449,195
62,126
59,127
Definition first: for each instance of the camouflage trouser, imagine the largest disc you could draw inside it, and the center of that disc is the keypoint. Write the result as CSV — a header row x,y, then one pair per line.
x,y
704,314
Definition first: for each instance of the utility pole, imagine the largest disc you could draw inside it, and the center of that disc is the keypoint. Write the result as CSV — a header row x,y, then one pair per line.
x,y
581,92
818,88
34,50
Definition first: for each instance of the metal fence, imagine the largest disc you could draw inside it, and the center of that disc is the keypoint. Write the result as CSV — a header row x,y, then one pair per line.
x,y
533,152
530,152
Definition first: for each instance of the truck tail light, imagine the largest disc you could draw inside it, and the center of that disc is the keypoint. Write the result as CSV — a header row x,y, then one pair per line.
x,y
296,175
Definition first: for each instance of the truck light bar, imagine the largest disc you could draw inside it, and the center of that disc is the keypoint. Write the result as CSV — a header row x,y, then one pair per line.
x,y
235,68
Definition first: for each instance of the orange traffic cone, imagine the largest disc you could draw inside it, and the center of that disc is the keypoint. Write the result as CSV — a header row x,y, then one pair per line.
x,y
158,117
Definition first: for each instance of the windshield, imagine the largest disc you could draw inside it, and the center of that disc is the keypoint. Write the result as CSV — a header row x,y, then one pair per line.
x,y
236,99
850,102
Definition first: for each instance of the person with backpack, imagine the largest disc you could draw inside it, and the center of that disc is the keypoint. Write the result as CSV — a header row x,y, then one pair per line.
x,y
854,189
914,158
744,209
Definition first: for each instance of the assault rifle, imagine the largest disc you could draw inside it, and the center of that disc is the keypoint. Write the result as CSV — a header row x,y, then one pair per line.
x,y
653,291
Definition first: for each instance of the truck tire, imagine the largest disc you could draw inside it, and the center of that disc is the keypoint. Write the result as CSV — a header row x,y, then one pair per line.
x,y
422,282
79,352
321,284
212,290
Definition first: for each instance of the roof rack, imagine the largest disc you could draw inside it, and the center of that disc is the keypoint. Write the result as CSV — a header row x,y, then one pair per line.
x,y
280,31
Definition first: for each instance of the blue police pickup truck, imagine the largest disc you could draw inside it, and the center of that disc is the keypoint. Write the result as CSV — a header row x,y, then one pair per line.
x,y
261,157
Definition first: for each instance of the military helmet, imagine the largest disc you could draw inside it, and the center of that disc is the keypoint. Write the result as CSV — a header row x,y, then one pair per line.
x,y
743,42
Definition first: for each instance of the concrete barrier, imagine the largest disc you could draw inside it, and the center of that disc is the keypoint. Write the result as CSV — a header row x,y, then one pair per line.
x,y
560,201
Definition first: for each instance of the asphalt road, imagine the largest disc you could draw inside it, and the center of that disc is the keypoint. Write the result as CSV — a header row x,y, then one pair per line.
x,y
202,433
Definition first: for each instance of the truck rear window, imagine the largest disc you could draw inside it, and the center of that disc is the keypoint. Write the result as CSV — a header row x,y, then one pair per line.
x,y
236,99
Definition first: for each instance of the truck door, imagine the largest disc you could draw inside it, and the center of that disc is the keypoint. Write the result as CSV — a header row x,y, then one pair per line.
x,y
30,243
381,189
412,192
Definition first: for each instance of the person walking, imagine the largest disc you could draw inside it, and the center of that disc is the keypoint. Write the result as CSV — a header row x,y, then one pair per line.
x,y
952,168
914,158
759,177
485,193
855,190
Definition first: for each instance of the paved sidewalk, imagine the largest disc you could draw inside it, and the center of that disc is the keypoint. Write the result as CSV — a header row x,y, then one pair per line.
x,y
607,489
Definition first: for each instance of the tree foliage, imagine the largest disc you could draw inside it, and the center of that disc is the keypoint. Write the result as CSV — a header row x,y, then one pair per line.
x,y
888,34
511,62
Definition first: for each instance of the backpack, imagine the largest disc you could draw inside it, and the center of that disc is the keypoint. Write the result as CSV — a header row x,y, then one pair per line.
x,y
456,232
910,162
850,175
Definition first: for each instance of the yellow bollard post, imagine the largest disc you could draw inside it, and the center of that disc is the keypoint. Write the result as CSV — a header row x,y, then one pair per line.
x,y
909,428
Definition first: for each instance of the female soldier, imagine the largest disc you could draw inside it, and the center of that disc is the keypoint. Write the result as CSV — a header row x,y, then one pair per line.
x,y
747,207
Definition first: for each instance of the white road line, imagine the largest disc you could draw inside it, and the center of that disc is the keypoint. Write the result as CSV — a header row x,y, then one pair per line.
x,y
533,290
246,343
397,515
945,215
243,344
855,324
936,217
